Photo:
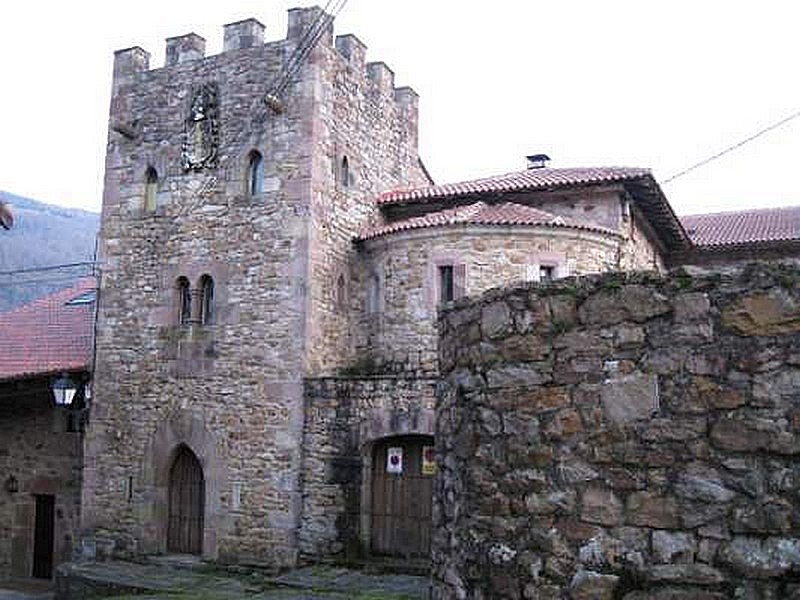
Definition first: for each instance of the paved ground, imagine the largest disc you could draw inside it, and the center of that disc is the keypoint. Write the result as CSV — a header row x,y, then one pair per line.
x,y
20,589
130,581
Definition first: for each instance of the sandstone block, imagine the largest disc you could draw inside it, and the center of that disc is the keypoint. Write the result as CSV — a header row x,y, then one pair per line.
x,y
774,312
754,557
750,434
629,303
650,510
601,505
693,574
673,547
702,483
630,398
690,306
496,320
588,585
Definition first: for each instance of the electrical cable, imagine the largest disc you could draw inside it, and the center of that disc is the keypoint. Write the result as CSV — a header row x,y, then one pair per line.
x,y
49,268
731,148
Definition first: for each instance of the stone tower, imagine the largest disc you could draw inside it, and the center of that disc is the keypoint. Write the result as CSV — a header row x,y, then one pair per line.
x,y
227,225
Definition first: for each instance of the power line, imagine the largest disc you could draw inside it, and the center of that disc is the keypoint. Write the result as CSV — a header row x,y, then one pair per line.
x,y
49,268
735,146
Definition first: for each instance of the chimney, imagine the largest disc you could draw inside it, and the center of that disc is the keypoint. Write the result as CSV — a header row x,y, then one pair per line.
x,y
537,161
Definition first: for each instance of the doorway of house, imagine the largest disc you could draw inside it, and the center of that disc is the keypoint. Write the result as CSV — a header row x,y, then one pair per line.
x,y
186,504
402,492
43,536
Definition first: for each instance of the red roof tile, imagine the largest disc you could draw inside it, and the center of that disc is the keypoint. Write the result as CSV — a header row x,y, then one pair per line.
x,y
481,213
48,335
530,179
744,227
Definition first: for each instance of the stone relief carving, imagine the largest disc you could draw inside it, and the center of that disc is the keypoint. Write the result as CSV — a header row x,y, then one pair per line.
x,y
201,129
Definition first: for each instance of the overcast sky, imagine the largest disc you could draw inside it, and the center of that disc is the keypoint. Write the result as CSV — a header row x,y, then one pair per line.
x,y
590,82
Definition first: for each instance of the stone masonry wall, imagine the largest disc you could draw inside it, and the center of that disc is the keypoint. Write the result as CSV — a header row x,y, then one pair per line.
x,y
45,458
231,389
622,436
344,416
406,266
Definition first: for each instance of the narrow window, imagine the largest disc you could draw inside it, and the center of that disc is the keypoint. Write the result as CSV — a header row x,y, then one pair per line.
x,y
547,272
184,298
255,173
345,175
150,189
207,305
447,288
340,292
374,294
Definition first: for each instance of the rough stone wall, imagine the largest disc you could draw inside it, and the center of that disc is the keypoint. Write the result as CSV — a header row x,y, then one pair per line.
x,y
344,416
231,389
406,265
622,436
374,125
45,458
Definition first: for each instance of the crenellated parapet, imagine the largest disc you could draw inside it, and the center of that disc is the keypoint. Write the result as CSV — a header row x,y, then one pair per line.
x,y
242,34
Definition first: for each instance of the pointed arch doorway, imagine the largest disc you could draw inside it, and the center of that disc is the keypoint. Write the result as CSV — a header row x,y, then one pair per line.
x,y
186,504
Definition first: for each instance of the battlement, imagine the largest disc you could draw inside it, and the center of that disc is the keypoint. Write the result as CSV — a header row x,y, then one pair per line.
x,y
249,33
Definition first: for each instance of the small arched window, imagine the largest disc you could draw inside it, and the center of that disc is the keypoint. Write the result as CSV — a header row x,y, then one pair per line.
x,y
150,189
255,173
341,298
207,304
184,300
345,173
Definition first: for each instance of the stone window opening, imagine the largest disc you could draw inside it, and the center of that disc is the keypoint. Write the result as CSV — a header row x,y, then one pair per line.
x,y
345,172
547,272
206,300
340,297
255,173
446,284
450,282
374,294
150,189
183,300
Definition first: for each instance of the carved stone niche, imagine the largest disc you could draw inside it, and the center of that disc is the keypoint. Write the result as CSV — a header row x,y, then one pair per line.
x,y
201,129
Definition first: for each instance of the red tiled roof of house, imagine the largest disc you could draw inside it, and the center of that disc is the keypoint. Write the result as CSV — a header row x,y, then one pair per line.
x,y
519,181
744,227
481,213
48,335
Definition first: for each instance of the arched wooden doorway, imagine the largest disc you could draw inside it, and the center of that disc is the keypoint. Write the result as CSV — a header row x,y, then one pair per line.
x,y
402,488
186,504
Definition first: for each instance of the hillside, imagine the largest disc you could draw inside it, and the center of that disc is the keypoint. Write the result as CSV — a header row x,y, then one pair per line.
x,y
43,235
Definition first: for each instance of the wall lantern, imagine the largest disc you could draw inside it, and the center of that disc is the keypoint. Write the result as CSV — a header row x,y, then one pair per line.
x,y
12,485
63,390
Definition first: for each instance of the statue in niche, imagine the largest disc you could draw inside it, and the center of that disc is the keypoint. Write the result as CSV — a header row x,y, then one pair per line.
x,y
201,130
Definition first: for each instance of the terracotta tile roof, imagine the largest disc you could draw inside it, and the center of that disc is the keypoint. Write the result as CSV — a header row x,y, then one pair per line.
x,y
744,227
48,335
481,213
530,179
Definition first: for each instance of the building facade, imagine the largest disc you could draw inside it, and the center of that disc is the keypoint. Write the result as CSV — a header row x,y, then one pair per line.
x,y
273,255
46,344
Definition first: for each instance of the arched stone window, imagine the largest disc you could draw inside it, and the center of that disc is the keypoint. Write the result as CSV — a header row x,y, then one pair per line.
x,y
255,173
207,300
341,293
183,297
345,172
150,189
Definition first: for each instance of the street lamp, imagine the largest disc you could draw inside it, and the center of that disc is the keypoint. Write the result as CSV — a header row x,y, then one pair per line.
x,y
64,390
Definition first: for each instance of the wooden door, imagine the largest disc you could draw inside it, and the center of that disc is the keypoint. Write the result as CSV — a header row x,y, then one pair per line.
x,y
186,504
401,500
43,535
